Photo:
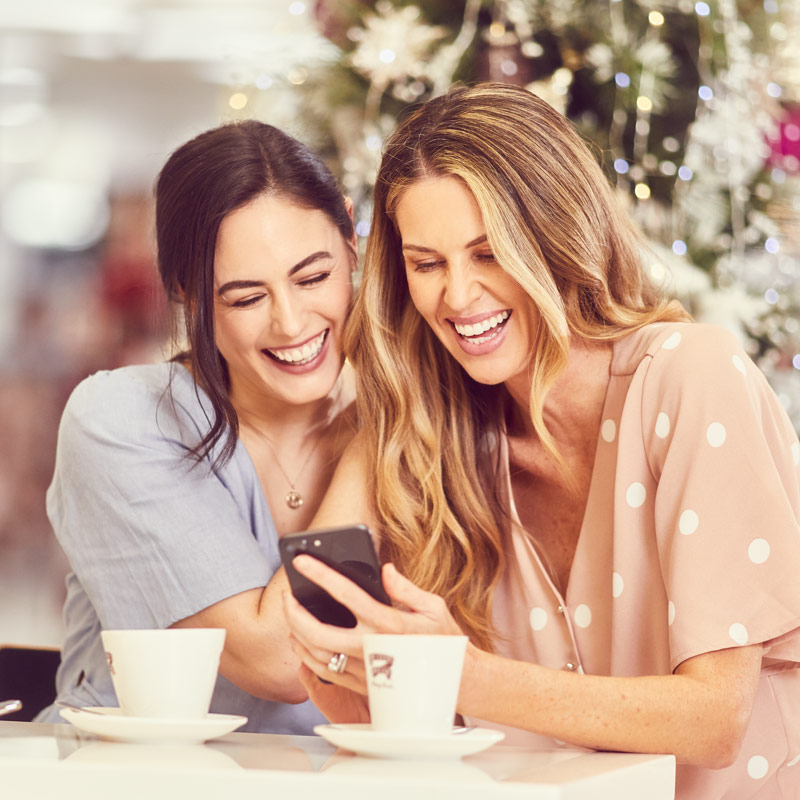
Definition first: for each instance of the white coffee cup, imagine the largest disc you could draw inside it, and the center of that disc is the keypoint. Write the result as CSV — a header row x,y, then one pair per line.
x,y
164,673
413,681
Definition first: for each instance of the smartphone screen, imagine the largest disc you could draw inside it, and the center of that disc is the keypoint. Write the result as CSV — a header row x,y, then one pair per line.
x,y
348,550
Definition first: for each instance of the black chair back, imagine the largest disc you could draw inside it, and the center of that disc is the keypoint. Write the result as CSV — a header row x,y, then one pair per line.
x,y
28,674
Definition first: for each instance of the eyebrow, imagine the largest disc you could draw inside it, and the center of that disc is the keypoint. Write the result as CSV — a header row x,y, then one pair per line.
x,y
230,285
420,249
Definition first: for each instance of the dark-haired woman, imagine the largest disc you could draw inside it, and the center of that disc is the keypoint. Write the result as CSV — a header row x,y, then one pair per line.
x,y
174,481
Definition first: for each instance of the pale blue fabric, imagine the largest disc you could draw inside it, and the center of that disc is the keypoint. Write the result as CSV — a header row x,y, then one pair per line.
x,y
151,535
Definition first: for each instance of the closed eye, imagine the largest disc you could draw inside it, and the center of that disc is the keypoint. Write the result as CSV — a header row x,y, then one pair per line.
x,y
313,280
426,266
247,301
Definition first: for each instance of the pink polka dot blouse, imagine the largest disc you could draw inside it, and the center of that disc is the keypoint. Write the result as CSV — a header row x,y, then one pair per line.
x,y
690,544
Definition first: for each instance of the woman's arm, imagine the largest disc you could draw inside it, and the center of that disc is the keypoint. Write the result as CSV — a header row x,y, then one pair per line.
x,y
257,657
157,541
346,500
699,713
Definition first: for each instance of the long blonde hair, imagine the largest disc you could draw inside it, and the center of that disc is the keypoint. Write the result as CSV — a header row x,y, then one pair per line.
x,y
554,226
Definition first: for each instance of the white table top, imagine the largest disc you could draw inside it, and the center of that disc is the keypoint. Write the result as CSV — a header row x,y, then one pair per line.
x,y
58,763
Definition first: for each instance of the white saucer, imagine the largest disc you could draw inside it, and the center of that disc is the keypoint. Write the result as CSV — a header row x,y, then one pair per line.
x,y
113,725
363,740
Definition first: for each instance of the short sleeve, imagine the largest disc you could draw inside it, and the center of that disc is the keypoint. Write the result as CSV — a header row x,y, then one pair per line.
x,y
725,457
152,536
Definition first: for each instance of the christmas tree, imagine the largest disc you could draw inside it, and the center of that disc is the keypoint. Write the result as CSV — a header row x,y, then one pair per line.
x,y
692,107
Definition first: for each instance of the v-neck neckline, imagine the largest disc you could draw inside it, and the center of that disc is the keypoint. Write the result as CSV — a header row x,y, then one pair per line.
x,y
530,538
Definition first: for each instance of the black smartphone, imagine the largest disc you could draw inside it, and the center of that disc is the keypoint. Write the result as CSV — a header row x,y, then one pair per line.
x,y
348,550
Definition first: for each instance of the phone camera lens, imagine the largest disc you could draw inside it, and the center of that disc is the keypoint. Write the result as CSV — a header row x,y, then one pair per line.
x,y
304,543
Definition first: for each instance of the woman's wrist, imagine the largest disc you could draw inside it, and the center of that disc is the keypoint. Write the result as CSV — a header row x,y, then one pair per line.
x,y
472,678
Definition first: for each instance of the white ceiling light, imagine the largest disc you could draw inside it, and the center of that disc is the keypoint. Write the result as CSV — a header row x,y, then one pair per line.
x,y
47,213
75,16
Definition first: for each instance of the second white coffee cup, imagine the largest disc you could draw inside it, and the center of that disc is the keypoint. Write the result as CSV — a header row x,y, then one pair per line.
x,y
413,681
164,673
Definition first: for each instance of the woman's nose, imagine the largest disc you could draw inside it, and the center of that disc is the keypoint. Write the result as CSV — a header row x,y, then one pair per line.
x,y
461,289
288,314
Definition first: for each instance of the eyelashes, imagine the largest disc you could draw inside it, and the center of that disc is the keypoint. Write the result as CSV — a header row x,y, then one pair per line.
x,y
427,266
315,279
306,283
248,301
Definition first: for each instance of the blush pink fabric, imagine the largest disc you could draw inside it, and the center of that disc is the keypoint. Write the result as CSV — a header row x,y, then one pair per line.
x,y
690,544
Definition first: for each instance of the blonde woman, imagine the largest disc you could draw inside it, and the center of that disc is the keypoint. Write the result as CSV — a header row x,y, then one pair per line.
x,y
602,494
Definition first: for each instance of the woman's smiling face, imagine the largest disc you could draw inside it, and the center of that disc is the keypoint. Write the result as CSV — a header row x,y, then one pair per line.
x,y
282,292
479,313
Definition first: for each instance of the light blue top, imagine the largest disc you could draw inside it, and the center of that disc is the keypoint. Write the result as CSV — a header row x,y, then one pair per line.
x,y
152,536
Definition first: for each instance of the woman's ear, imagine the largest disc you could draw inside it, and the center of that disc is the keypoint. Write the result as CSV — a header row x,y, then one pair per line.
x,y
348,204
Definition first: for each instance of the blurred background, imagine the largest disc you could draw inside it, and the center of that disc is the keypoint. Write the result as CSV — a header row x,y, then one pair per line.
x,y
693,109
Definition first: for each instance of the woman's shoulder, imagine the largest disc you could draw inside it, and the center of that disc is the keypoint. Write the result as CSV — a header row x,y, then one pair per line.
x,y
127,385
702,375
131,398
670,345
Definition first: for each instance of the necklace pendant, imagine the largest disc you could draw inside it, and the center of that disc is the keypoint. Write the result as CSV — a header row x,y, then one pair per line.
x,y
294,499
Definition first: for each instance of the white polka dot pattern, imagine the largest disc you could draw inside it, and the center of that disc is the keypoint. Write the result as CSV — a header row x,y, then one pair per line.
x,y
716,434
635,495
758,551
538,618
757,767
583,616
608,430
738,633
688,522
682,470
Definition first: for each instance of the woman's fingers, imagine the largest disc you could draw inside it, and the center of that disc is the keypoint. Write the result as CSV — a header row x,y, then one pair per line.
x,y
401,590
366,609
317,636
352,677
337,704
354,666
423,604
422,612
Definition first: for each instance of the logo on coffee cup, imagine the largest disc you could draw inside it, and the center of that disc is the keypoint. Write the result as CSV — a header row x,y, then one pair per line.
x,y
381,668
110,660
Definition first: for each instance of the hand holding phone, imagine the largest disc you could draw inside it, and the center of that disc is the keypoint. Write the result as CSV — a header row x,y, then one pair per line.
x,y
350,551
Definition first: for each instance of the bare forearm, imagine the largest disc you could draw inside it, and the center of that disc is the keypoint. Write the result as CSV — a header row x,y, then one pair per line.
x,y
699,715
260,659
257,656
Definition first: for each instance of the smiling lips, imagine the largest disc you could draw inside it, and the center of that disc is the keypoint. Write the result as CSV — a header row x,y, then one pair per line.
x,y
484,331
298,356
474,334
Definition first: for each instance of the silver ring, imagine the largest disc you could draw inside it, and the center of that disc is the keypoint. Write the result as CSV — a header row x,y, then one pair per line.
x,y
338,663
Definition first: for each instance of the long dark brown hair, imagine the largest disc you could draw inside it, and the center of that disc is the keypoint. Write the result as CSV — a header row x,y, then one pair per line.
x,y
202,182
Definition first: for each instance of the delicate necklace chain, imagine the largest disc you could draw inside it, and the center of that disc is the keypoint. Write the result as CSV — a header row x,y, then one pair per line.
x,y
293,498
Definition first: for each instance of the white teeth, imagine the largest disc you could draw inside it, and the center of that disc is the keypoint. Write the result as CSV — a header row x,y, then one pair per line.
x,y
309,351
483,339
482,327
